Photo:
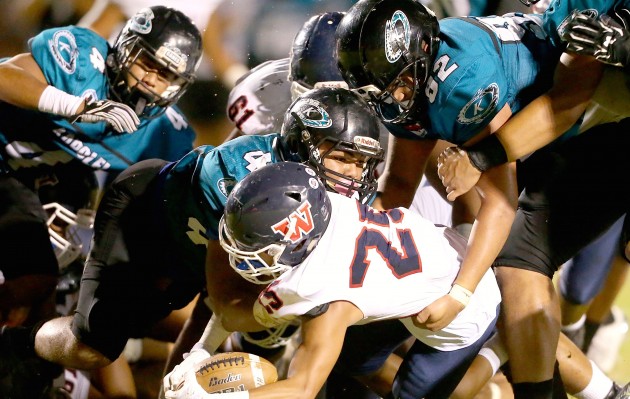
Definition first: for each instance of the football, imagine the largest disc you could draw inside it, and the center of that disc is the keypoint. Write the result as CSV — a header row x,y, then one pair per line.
x,y
234,372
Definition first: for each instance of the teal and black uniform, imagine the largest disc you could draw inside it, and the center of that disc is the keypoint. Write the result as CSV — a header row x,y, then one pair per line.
x,y
38,149
164,212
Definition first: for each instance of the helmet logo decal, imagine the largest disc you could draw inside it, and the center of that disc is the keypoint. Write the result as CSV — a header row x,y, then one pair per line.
x,y
225,186
313,183
312,113
480,106
297,225
63,47
397,36
141,22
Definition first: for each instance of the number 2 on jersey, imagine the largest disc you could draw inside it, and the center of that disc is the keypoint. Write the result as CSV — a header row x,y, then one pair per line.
x,y
401,264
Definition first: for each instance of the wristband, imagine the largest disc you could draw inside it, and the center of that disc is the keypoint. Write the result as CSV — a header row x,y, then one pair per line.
x,y
487,153
58,102
460,294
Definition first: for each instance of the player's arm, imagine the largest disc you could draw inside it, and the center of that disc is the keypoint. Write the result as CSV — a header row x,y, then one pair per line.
x,y
491,228
322,339
22,82
538,124
406,162
498,191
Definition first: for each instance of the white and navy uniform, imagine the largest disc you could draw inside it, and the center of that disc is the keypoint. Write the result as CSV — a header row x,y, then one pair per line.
x,y
391,265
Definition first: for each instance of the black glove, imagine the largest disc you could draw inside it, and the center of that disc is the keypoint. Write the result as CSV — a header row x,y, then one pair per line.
x,y
603,39
120,116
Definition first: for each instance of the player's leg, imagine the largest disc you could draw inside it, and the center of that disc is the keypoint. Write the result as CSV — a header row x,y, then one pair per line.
x,y
582,378
366,356
605,323
547,231
430,373
582,278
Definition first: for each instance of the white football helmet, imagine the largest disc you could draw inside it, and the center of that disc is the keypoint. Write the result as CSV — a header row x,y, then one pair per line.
x,y
68,231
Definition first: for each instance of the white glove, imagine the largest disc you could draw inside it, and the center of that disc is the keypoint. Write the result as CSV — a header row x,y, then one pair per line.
x,y
189,390
120,116
177,377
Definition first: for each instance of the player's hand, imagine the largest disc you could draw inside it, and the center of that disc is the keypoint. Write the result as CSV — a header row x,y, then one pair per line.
x,y
120,116
457,173
189,389
177,377
439,314
602,38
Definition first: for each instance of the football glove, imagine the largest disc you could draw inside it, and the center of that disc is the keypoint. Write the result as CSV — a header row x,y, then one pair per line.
x,y
189,389
602,38
173,380
120,116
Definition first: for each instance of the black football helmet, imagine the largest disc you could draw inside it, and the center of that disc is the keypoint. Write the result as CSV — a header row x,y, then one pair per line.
x,y
381,42
171,41
273,219
313,57
340,117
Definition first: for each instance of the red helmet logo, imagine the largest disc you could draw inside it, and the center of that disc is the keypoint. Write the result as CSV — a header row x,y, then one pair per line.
x,y
297,225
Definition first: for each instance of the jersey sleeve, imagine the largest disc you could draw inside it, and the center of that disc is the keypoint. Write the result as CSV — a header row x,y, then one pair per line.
x,y
70,57
227,164
465,107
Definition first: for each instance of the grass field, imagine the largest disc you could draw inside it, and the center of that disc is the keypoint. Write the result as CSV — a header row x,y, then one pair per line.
x,y
621,372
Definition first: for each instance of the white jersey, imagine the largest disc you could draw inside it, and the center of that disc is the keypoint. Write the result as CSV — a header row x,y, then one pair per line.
x,y
256,105
430,204
391,265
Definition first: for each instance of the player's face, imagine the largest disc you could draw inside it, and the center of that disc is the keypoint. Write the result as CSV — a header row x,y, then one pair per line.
x,y
154,77
403,88
346,163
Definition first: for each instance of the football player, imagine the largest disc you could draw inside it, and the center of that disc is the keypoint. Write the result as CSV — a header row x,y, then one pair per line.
x,y
165,213
337,261
74,103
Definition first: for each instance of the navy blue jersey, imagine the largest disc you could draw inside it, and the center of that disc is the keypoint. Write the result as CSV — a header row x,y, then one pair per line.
x,y
73,60
195,189
484,63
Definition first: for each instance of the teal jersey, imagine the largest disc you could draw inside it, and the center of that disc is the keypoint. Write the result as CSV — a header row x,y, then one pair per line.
x,y
194,190
73,60
559,13
482,64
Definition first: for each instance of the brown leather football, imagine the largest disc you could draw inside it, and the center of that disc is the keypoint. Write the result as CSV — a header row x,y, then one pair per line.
x,y
234,372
